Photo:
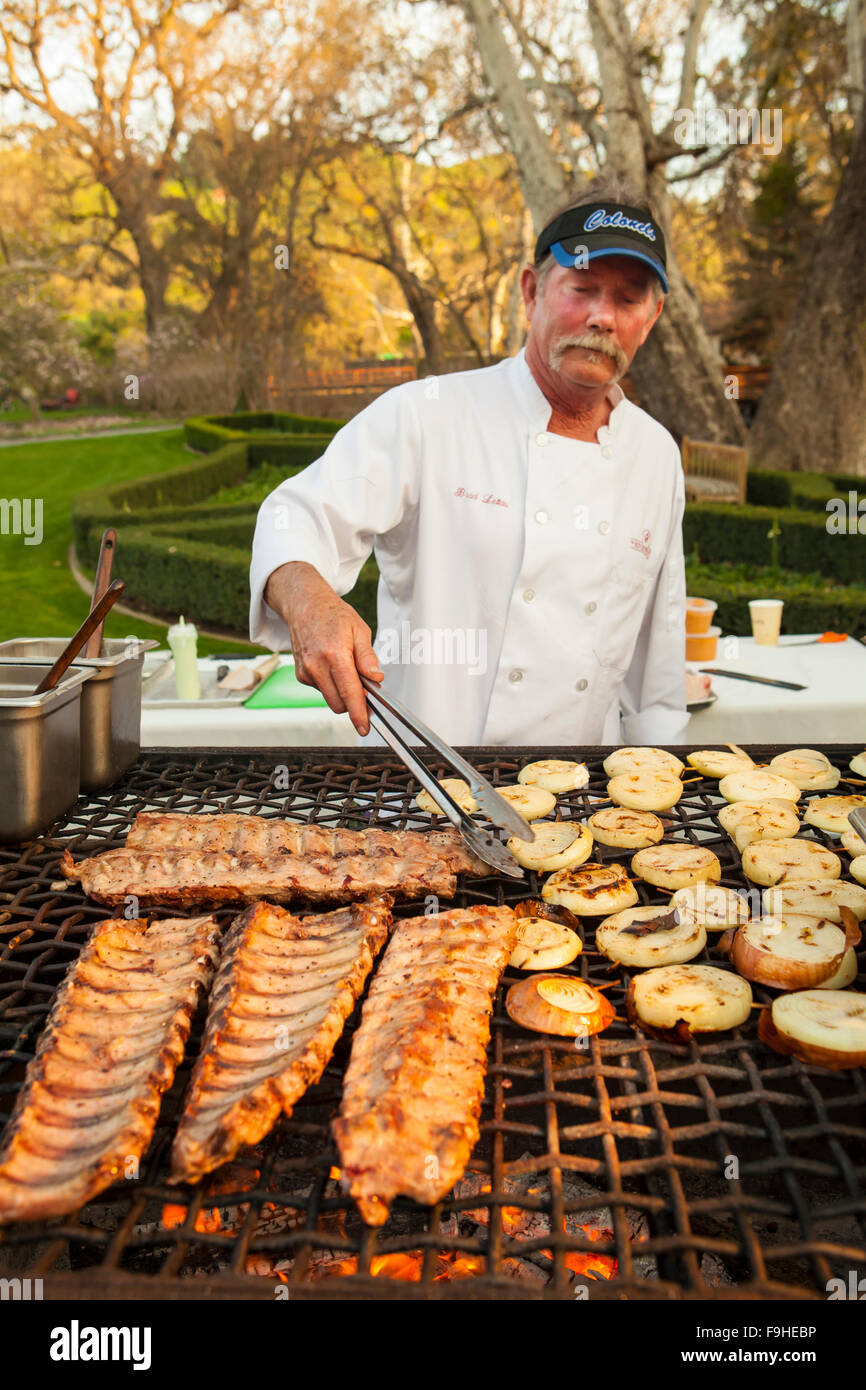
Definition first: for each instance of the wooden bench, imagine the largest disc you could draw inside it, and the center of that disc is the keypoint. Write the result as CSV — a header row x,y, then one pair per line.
x,y
714,472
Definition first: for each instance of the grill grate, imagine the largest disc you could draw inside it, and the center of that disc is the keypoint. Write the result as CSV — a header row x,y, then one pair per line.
x,y
708,1169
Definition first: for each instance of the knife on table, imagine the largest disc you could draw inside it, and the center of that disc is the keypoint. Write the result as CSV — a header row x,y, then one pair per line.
x,y
759,680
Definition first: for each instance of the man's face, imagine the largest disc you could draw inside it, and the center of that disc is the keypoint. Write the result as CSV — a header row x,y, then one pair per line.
x,y
588,324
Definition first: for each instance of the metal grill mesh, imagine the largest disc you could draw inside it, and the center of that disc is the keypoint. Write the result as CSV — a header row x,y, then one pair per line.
x,y
712,1169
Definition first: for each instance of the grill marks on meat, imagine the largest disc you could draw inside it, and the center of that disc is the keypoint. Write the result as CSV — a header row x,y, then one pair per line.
x,y
415,1082
282,994
195,877
263,836
110,1048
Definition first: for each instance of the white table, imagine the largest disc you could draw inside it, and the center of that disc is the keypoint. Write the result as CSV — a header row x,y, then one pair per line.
x,y
234,726
832,709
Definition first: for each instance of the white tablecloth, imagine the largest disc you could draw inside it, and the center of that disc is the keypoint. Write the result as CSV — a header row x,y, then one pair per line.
x,y
832,709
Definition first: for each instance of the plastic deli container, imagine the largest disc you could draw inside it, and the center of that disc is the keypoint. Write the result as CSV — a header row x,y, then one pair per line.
x,y
699,614
40,742
701,646
110,701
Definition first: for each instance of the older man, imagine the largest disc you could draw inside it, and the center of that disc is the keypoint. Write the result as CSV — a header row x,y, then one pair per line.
x,y
526,519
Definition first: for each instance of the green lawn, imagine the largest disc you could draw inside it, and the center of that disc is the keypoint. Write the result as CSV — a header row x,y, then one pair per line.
x,y
38,595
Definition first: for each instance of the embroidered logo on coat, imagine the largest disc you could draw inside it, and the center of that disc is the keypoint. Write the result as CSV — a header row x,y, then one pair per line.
x,y
476,497
642,544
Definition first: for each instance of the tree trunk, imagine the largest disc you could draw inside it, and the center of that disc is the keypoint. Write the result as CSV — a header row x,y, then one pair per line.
x,y
813,413
678,372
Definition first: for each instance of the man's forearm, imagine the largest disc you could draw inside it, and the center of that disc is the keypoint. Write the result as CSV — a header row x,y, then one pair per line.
x,y
292,583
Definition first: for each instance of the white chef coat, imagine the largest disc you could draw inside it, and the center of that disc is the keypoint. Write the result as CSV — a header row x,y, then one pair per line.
x,y
532,586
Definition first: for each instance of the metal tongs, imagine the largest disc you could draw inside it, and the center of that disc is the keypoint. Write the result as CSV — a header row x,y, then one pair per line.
x,y
482,842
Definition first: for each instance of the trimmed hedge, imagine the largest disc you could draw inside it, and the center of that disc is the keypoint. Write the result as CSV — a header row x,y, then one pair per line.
x,y
209,432
717,533
109,506
811,491
811,604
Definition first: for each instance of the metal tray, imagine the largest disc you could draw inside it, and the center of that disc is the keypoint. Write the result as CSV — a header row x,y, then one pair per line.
x,y
159,689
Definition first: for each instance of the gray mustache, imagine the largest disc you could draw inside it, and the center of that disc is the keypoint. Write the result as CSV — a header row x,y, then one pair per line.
x,y
597,341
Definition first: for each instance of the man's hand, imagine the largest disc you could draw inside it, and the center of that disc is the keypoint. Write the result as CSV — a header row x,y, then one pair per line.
x,y
331,643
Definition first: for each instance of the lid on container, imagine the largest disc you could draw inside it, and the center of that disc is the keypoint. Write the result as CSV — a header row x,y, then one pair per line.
x,y
701,636
701,603
18,682
39,650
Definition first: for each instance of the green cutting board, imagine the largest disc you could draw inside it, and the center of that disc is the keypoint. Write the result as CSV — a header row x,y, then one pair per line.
x,y
283,690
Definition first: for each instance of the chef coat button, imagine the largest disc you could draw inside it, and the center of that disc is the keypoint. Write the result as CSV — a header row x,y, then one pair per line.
x,y
604,527
581,685
590,608
528,595
542,439
515,676
606,451
541,517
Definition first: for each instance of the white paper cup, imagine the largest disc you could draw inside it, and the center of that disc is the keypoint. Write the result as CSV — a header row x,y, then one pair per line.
x,y
766,615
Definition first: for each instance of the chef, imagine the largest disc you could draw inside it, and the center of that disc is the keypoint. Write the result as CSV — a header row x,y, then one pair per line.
x,y
526,520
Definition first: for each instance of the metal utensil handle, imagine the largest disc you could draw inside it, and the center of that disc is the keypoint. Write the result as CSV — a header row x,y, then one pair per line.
x,y
758,680
101,582
505,814
91,622
858,820
443,798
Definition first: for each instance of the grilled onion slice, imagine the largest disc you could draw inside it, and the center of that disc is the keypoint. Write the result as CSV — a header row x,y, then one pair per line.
x,y
857,868
757,785
717,762
807,769
686,999
714,907
457,788
645,936
790,952
558,844
853,843
593,890
623,829
675,866
555,775
651,789
858,763
747,821
831,812
845,975
627,760
529,802
773,861
559,1004
816,897
826,1027
543,940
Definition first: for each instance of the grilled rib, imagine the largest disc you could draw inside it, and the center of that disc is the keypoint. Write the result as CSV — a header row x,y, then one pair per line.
x,y
192,878
415,1082
283,992
110,1048
262,836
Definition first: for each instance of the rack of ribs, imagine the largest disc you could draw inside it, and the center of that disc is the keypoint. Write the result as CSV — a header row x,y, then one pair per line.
x,y
282,994
110,1047
415,1081
193,878
265,835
